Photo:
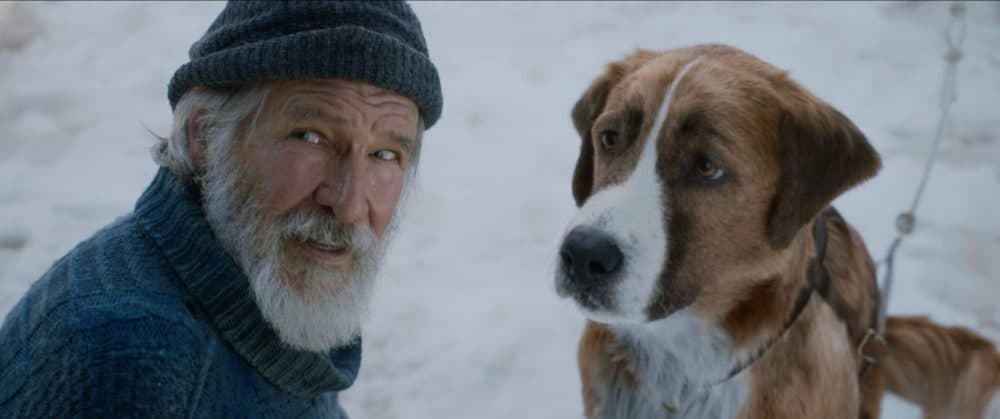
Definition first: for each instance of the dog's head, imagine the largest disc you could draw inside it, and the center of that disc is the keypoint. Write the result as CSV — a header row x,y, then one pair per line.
x,y
698,169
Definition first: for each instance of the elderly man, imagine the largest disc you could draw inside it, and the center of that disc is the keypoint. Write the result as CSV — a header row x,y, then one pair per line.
x,y
237,286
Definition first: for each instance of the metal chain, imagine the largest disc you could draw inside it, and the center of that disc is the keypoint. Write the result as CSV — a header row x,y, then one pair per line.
x,y
906,221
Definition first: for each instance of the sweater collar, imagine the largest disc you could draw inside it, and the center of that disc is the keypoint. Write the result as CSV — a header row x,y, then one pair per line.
x,y
171,214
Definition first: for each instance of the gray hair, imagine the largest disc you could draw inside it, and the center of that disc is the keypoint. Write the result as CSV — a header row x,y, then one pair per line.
x,y
224,113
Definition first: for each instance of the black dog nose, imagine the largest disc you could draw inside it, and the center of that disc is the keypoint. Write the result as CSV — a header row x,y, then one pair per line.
x,y
590,256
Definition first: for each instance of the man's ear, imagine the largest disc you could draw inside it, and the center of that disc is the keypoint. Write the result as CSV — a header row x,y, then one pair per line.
x,y
822,154
587,108
196,131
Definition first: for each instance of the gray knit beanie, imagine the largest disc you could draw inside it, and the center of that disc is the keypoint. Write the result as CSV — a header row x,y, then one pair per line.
x,y
380,43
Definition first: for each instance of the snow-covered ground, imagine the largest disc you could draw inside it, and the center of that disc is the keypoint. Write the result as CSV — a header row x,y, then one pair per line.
x,y
466,323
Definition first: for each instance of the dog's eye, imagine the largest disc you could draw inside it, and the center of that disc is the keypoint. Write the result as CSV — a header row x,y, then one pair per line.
x,y
707,169
609,140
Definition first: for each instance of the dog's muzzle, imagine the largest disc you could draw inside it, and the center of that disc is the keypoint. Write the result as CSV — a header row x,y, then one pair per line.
x,y
590,258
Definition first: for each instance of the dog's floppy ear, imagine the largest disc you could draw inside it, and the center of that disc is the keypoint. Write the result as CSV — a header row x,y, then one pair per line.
x,y
822,154
584,112
588,108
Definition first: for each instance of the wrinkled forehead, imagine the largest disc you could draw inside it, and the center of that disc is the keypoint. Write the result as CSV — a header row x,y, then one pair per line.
x,y
306,98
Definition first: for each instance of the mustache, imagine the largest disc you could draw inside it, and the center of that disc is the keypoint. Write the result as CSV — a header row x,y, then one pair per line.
x,y
307,223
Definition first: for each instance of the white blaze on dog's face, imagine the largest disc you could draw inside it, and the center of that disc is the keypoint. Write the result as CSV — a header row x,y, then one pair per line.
x,y
697,170
630,216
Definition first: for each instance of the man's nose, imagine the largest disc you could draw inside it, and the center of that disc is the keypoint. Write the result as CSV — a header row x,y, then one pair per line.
x,y
343,190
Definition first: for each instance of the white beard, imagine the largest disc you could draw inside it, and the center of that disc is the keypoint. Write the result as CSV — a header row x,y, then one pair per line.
x,y
311,307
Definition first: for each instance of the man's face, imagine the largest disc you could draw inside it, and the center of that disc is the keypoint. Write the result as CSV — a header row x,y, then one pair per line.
x,y
336,148
306,197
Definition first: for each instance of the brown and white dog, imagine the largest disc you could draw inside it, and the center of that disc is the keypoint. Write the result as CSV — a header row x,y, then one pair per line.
x,y
701,177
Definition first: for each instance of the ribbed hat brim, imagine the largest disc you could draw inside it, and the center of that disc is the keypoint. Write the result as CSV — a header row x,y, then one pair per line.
x,y
346,52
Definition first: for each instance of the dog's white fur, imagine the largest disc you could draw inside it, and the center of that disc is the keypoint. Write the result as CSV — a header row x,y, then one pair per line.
x,y
678,360
635,214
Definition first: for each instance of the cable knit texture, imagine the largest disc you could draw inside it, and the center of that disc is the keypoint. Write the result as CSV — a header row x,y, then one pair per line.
x,y
378,42
151,318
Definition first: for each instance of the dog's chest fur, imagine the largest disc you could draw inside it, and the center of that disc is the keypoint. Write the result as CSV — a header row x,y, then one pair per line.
x,y
670,369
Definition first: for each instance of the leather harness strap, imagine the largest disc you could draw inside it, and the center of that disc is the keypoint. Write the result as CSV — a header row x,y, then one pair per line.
x,y
870,343
800,305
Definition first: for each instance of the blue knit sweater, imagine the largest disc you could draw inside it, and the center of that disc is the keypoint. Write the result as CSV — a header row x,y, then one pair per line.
x,y
150,318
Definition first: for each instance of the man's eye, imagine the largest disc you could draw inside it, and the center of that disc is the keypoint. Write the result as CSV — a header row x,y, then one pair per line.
x,y
308,136
387,155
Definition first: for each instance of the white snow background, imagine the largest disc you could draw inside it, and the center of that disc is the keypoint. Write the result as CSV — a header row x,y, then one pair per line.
x,y
466,322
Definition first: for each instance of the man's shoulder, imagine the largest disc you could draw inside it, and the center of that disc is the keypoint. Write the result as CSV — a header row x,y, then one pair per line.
x,y
113,326
118,263
112,291
105,323
120,256
120,356
113,287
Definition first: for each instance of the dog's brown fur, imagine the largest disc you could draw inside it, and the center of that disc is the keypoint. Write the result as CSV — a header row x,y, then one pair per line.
x,y
950,371
745,248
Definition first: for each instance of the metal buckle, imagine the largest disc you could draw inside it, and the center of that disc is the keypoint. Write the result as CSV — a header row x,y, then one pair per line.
x,y
871,333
